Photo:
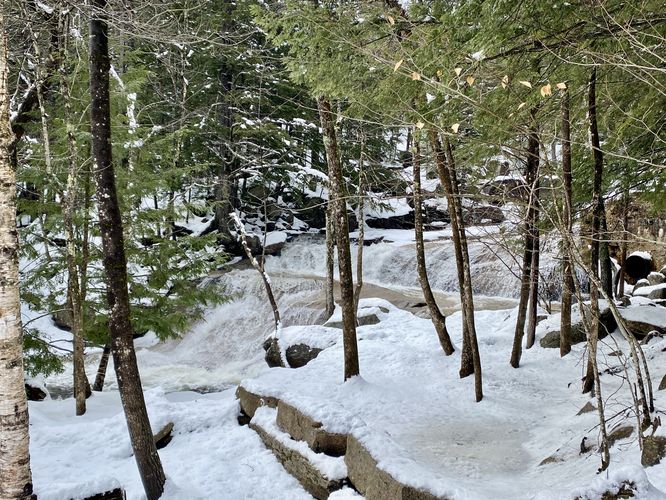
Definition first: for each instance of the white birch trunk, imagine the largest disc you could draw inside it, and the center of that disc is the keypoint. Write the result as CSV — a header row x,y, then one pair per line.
x,y
15,476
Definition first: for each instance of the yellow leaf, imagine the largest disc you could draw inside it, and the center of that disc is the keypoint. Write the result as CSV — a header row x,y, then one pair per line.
x,y
397,65
546,90
521,105
561,86
458,71
390,20
420,125
440,73
455,127
416,76
527,84
505,81
470,80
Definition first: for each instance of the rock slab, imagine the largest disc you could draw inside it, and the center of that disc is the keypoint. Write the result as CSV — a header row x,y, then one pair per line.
x,y
301,427
374,483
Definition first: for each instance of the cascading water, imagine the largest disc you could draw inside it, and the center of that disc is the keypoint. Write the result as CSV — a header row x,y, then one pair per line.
x,y
226,345
494,271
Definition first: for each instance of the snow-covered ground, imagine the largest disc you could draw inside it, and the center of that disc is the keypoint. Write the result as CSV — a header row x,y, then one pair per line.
x,y
421,422
409,406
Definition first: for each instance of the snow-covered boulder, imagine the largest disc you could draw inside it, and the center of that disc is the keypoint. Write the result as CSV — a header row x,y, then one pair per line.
x,y
551,327
300,344
638,266
655,278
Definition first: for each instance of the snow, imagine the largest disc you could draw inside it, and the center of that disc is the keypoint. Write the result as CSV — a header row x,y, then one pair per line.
x,y
420,421
644,291
641,254
210,455
646,313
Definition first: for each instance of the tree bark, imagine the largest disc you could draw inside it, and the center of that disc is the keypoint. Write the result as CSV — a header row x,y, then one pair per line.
x,y
468,303
532,165
466,361
567,269
360,218
598,215
101,369
15,475
330,270
438,319
74,298
337,197
534,270
115,263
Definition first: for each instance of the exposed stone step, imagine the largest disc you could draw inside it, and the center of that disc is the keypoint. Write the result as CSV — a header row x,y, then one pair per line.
x,y
373,482
249,401
322,461
304,428
318,473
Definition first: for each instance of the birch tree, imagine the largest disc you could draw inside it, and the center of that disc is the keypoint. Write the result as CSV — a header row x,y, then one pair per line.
x,y
15,475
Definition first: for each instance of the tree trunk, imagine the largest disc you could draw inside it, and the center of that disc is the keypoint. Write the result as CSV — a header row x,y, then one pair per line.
x,y
266,281
468,303
74,298
330,249
532,165
101,369
567,269
337,197
115,263
466,361
623,245
534,271
438,319
360,218
598,215
16,478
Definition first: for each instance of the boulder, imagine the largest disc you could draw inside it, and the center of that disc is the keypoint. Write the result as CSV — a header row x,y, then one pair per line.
x,y
654,449
659,293
640,284
637,267
405,221
641,320
486,213
607,324
362,320
655,278
62,318
35,393
163,437
272,356
301,354
116,494
313,212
